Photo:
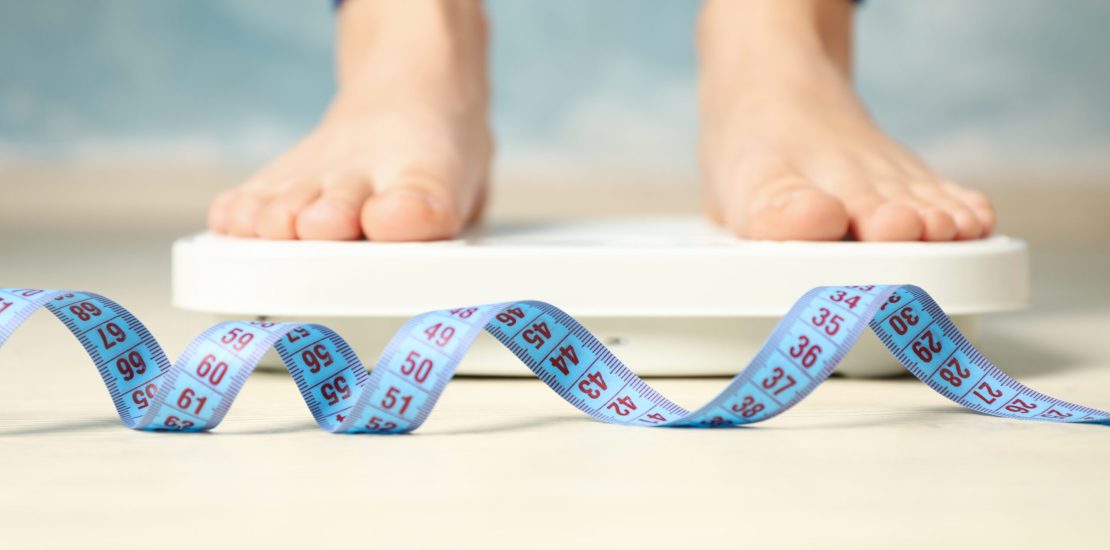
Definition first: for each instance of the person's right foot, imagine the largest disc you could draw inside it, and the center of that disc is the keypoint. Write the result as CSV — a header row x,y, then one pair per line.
x,y
404,149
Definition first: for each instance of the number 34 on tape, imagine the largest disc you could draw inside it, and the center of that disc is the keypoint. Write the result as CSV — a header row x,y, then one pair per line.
x,y
151,393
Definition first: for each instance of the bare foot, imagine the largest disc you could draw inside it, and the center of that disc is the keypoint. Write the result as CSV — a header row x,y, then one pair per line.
x,y
789,152
403,151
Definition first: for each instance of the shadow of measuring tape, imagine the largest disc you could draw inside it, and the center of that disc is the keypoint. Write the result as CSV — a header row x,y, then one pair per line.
x,y
195,393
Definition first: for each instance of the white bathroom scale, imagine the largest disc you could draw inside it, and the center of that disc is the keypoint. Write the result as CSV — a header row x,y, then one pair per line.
x,y
671,296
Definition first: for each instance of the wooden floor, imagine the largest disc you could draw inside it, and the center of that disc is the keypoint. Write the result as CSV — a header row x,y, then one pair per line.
x,y
506,463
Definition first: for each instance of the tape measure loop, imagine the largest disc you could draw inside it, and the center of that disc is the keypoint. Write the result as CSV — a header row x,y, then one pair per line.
x,y
399,393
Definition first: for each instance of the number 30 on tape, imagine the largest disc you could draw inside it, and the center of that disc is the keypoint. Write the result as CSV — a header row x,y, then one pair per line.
x,y
396,396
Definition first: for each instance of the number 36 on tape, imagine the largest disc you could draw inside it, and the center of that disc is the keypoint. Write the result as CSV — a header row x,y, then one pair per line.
x,y
396,396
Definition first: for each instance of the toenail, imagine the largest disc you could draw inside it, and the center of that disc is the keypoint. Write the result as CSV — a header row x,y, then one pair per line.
x,y
432,203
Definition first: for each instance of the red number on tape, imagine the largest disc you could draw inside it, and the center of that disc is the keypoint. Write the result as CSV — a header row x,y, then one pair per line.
x,y
85,310
593,379
439,335
316,358
211,369
416,366
296,334
829,322
538,334
806,352
510,316
995,394
188,397
1019,406
566,353
376,423
336,390
748,408
393,396
177,423
902,322
622,406
1053,413
778,375
956,374
851,300
131,366
926,346
237,338
142,396
117,335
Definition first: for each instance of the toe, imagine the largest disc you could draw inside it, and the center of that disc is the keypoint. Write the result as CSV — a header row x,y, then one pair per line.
x,y
966,223
278,219
874,218
219,212
939,225
417,208
334,214
977,202
243,213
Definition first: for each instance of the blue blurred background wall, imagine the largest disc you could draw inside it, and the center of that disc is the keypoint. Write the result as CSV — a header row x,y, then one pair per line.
x,y
998,86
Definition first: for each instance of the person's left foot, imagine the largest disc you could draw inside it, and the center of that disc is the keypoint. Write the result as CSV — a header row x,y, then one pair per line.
x,y
788,151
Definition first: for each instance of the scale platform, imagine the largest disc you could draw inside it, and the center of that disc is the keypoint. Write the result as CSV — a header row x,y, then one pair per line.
x,y
670,296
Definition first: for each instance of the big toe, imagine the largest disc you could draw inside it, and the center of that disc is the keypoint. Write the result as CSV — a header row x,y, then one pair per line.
x,y
412,211
795,212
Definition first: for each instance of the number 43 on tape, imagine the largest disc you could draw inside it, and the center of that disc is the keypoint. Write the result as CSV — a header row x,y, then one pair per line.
x,y
195,393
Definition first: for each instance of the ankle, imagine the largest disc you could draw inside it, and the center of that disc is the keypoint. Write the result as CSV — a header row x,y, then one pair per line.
x,y
756,33
759,53
404,52
441,34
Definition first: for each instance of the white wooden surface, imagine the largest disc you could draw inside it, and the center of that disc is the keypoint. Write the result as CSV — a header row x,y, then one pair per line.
x,y
505,463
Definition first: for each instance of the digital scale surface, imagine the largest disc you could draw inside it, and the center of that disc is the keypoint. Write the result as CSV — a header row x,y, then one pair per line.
x,y
670,296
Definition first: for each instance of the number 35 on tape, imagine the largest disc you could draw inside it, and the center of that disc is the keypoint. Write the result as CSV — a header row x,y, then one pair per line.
x,y
398,394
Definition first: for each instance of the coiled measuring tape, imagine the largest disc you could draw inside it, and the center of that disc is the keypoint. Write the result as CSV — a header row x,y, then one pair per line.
x,y
397,396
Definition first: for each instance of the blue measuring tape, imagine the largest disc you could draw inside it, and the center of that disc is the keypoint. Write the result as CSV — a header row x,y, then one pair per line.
x,y
397,396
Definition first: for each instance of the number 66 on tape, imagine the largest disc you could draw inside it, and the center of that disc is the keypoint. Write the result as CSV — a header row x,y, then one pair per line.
x,y
397,396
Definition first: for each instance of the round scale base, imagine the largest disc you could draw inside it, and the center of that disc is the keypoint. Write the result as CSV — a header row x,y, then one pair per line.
x,y
670,296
